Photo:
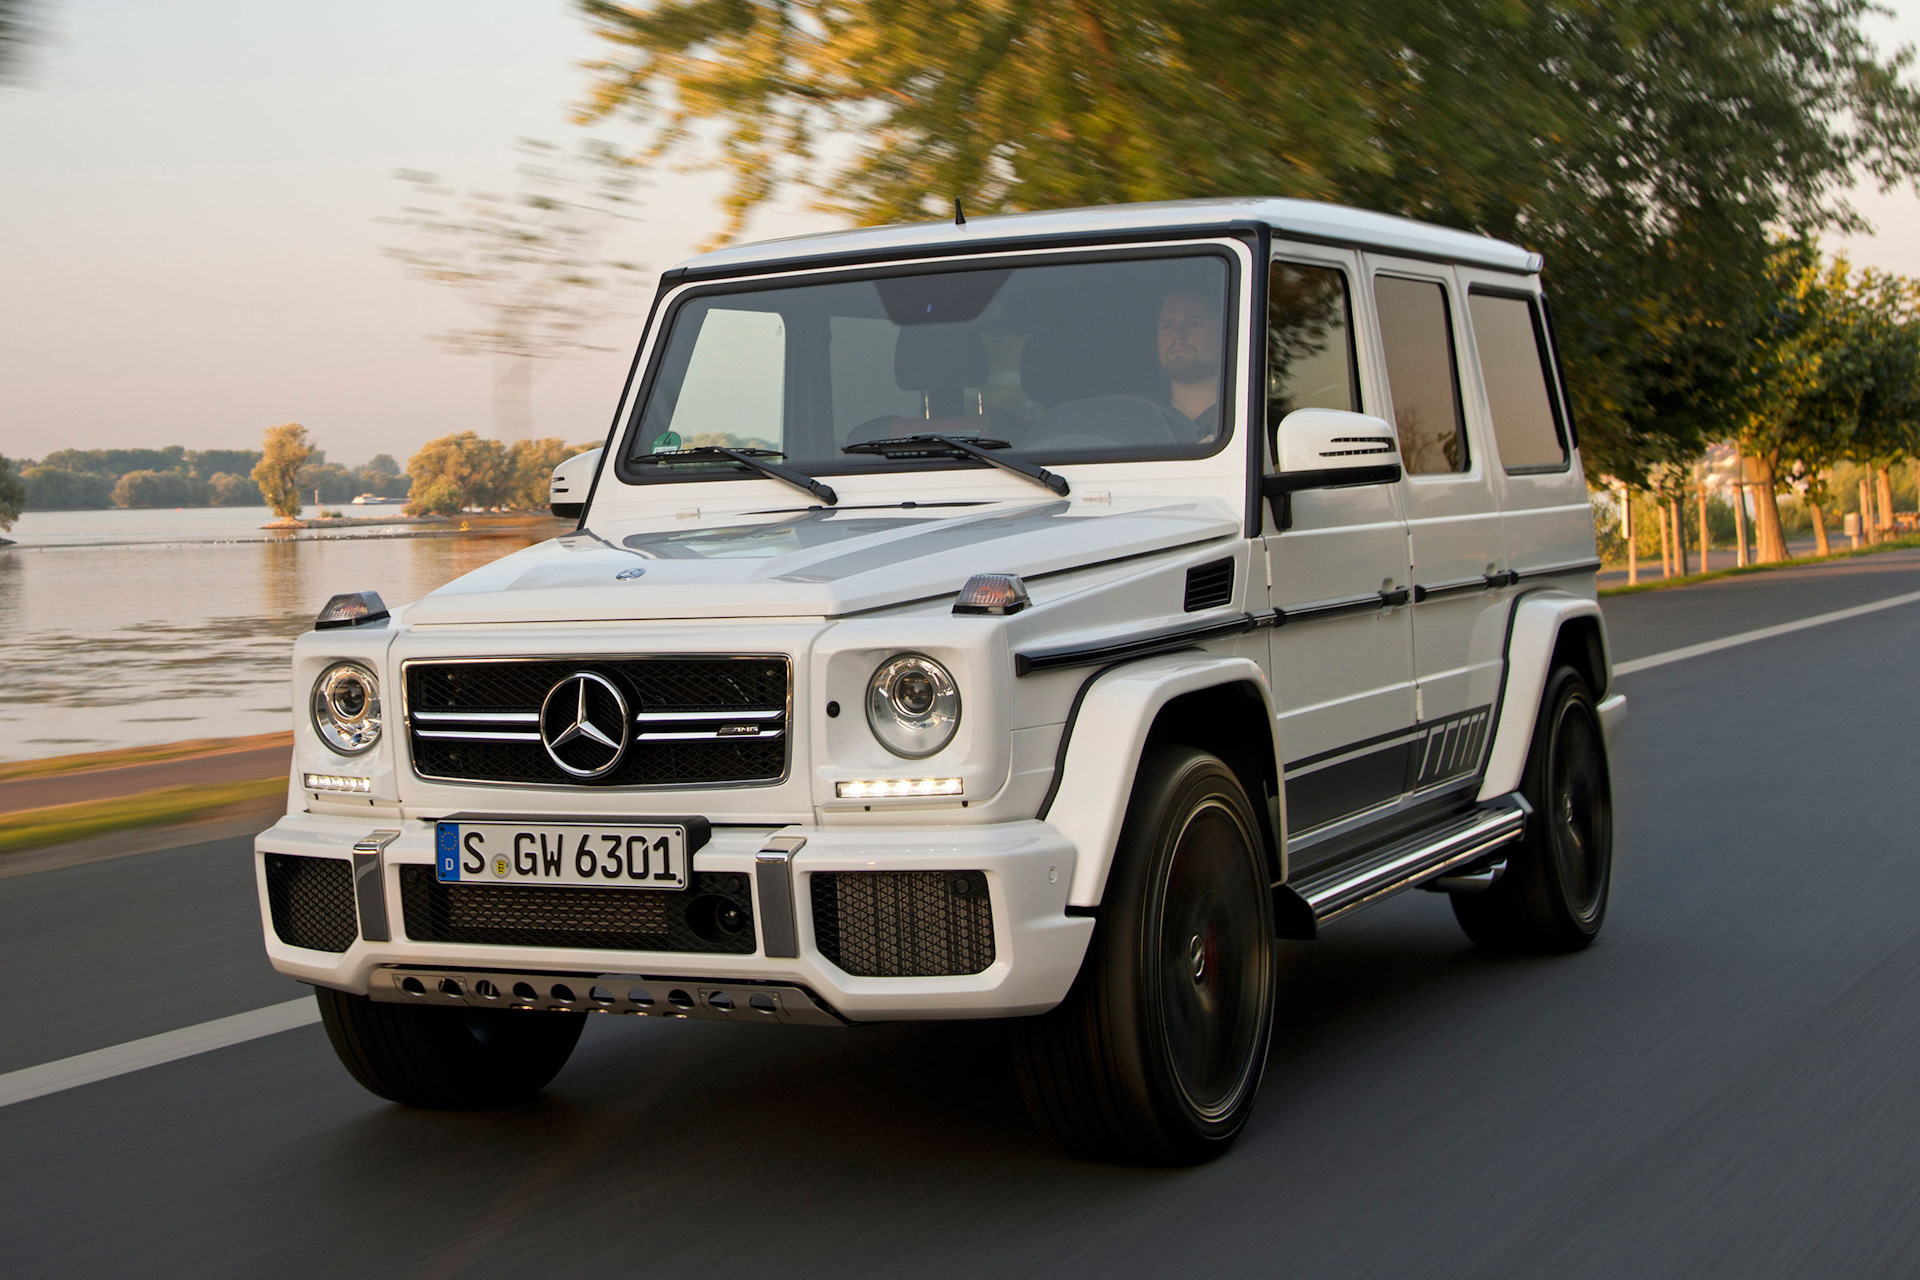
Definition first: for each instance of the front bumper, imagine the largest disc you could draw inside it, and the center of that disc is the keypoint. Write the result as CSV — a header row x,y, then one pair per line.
x,y
1027,866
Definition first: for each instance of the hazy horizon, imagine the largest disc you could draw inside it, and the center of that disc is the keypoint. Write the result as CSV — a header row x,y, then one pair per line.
x,y
192,241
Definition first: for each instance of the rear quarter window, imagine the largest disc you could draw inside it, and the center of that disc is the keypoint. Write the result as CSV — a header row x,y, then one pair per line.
x,y
1508,337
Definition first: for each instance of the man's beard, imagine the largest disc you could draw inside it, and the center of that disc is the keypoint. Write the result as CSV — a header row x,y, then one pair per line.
x,y
1189,369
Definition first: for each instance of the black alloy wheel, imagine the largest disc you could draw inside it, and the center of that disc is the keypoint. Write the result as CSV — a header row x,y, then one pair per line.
x,y
1156,1054
1553,896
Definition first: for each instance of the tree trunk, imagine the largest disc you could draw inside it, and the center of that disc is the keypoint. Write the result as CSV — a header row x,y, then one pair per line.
x,y
1883,482
1772,541
1626,528
1740,557
1666,541
1679,534
1819,528
512,398
1868,528
1706,534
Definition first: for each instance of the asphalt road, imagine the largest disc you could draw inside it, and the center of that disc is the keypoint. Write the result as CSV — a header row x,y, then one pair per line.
x,y
1723,1086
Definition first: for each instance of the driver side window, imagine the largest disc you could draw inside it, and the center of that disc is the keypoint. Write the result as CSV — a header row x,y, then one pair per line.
x,y
1310,351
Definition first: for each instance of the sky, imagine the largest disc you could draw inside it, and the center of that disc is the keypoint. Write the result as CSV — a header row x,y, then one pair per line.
x,y
191,195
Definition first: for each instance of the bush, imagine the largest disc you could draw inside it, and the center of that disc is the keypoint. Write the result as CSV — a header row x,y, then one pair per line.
x,y
287,452
158,489
58,489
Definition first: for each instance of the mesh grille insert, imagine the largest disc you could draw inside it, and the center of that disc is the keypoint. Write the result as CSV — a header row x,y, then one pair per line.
x,y
311,901
903,924
714,915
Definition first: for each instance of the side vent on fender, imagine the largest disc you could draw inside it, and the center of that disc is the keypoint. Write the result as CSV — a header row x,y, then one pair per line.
x,y
1209,585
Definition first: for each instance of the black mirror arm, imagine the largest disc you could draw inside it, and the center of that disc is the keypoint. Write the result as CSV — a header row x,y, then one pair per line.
x,y
1279,489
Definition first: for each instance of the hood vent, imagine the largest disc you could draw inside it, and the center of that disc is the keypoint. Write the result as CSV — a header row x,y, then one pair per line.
x,y
1209,585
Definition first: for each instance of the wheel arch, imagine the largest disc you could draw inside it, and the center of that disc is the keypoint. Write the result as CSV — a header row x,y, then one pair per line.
x,y
1549,628
1218,703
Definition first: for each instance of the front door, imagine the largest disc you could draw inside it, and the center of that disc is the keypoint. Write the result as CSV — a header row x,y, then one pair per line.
x,y
1342,660
1455,538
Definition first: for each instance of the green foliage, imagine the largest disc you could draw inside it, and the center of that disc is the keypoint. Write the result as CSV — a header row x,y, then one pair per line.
x,y
13,496
381,464
457,472
159,489
286,454
1647,150
58,489
225,489
532,463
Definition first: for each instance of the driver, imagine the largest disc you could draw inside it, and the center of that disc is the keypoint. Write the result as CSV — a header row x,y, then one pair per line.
x,y
1190,357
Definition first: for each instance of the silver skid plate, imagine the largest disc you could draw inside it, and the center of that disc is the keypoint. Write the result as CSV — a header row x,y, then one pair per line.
x,y
601,993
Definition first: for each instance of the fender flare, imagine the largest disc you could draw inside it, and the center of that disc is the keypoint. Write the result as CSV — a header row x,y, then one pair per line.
x,y
1116,711
1534,631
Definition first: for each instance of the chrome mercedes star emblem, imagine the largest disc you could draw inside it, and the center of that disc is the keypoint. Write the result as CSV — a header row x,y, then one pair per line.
x,y
584,724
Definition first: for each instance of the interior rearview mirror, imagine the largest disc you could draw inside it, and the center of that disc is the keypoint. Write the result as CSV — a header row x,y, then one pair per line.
x,y
567,493
1328,449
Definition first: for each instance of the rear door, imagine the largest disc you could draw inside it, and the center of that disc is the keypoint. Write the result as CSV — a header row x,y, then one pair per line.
x,y
1342,662
1456,542
1543,496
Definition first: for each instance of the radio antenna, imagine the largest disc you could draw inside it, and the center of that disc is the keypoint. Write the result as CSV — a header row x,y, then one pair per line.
x,y
959,214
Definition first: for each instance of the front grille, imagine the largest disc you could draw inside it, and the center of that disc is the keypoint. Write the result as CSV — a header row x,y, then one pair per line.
x,y
713,915
311,901
903,924
697,720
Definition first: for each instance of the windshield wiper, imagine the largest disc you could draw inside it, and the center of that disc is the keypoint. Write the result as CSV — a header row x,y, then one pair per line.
x,y
970,447
751,458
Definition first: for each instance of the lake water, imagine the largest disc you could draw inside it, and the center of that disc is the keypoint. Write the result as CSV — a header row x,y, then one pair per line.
x,y
125,628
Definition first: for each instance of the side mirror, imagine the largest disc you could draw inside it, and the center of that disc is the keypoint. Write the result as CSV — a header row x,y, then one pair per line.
x,y
1328,449
567,496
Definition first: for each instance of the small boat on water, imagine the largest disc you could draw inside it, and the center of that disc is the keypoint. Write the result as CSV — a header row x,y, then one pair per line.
x,y
374,500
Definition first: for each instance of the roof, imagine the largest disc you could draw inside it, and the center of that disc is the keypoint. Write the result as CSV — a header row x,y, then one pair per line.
x,y
1307,219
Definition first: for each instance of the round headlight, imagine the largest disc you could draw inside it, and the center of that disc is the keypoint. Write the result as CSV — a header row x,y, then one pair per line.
x,y
913,705
346,708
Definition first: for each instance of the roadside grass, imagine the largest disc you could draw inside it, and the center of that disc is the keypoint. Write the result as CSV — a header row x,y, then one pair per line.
x,y
1896,544
57,824
123,756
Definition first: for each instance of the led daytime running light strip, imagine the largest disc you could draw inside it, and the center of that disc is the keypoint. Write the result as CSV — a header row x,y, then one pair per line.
x,y
338,782
889,788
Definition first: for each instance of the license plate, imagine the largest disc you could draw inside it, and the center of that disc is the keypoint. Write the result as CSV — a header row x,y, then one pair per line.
x,y
561,854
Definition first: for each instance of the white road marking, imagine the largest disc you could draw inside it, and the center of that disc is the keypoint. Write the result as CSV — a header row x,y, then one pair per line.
x,y
1764,633
168,1046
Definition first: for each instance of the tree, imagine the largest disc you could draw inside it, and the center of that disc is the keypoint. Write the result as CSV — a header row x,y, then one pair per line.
x,y
457,472
57,489
530,263
286,453
533,462
13,496
1649,151
158,489
224,489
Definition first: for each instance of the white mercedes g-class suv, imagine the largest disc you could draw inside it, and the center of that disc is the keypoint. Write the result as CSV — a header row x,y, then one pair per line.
x,y
1033,617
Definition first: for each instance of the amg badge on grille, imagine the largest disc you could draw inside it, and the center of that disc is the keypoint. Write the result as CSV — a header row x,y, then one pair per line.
x,y
584,724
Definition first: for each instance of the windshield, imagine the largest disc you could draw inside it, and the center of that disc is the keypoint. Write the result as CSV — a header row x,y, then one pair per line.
x,y
1109,360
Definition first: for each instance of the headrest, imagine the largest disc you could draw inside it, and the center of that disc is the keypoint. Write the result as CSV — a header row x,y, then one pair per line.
x,y
1074,364
938,357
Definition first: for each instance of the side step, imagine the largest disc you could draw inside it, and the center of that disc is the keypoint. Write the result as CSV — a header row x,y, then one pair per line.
x,y
1420,857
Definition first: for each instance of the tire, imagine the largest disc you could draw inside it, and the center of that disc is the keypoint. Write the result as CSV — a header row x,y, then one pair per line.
x,y
1156,1054
1553,896
447,1059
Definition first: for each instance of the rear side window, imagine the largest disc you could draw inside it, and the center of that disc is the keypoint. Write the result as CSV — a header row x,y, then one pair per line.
x,y
1417,338
1513,367
1310,361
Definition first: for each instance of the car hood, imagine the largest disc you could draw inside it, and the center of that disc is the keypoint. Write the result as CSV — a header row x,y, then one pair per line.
x,y
823,562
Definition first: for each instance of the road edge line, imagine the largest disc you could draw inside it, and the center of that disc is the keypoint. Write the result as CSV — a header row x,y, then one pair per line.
x,y
1763,633
58,1076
